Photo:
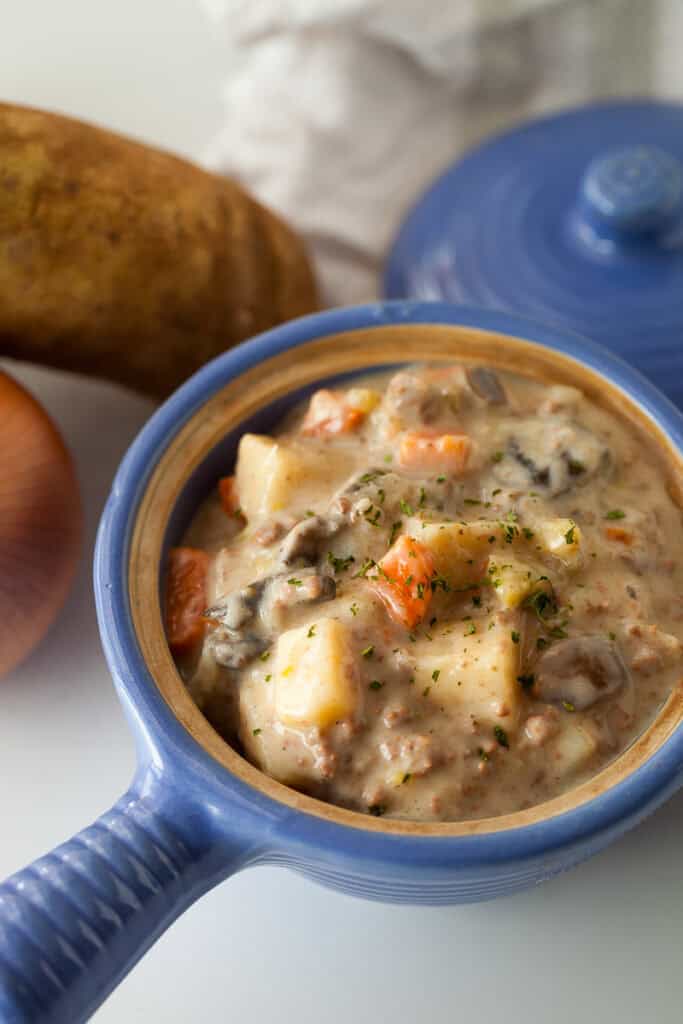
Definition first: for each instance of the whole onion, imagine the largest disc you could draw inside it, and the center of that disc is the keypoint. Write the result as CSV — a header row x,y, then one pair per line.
x,y
40,522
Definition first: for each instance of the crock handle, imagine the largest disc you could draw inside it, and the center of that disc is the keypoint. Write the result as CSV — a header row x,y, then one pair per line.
x,y
74,922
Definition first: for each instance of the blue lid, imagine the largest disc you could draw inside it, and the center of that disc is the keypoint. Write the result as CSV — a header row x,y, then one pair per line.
x,y
574,219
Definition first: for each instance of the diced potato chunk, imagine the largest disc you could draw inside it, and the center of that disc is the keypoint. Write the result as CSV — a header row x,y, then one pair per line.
x,y
265,473
511,579
561,538
272,476
475,673
279,751
572,748
458,549
315,675
363,399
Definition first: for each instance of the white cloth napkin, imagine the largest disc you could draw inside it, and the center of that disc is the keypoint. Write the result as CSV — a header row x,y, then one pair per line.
x,y
338,113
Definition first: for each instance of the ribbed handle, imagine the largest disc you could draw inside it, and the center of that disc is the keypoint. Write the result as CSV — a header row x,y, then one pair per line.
x,y
75,921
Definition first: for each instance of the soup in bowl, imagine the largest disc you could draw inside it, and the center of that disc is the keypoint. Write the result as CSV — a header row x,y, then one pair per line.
x,y
441,592
451,543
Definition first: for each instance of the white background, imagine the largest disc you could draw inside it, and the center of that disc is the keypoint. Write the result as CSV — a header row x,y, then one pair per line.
x,y
601,944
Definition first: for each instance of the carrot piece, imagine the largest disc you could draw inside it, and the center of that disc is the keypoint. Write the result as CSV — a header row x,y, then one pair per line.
x,y
227,491
329,414
186,598
618,533
404,581
448,453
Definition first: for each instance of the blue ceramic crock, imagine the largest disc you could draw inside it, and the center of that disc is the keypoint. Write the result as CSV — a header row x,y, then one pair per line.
x,y
74,922
574,218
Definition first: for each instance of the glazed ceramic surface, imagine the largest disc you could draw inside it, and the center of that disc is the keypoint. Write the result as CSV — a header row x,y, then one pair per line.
x,y
74,922
574,218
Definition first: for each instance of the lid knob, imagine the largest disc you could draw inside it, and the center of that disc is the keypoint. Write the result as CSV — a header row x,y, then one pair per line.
x,y
632,190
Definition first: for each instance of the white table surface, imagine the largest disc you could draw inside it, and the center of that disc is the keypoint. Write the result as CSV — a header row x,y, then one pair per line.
x,y
600,944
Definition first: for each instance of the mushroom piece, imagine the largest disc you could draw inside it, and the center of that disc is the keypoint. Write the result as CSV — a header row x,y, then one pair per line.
x,y
485,383
247,620
235,648
551,460
236,609
304,541
579,671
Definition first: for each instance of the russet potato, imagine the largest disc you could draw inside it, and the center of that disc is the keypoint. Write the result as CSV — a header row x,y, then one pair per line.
x,y
125,262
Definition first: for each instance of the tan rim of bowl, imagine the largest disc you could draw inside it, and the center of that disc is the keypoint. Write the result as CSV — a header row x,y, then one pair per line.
x,y
361,350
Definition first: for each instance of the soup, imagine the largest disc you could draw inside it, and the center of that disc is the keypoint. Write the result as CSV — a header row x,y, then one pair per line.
x,y
441,594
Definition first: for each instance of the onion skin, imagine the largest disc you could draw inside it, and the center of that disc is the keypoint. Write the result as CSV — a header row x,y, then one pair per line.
x,y
40,523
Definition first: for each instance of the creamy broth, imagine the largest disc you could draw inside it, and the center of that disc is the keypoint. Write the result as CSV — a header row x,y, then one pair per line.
x,y
438,594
